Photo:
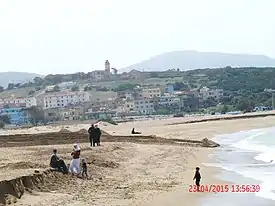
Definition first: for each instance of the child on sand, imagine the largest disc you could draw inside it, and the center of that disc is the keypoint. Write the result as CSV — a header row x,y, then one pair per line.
x,y
197,177
84,169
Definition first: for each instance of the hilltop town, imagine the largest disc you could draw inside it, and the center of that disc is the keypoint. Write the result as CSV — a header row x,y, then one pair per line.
x,y
106,94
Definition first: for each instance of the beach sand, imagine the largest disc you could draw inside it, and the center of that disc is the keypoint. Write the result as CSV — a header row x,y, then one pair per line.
x,y
124,173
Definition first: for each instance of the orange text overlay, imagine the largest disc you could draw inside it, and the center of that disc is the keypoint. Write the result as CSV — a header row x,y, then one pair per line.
x,y
214,188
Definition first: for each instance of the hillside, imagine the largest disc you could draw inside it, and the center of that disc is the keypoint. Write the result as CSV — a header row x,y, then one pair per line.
x,y
188,60
16,77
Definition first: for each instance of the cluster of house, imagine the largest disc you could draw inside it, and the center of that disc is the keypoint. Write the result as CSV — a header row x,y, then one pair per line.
x,y
68,105
146,100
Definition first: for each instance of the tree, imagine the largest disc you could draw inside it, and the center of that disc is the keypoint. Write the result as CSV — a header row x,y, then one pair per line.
x,y
10,86
35,114
5,119
2,124
56,88
87,88
180,86
38,81
1,89
123,87
31,92
75,88
245,104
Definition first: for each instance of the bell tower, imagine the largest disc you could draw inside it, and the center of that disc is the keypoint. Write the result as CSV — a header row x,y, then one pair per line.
x,y
107,66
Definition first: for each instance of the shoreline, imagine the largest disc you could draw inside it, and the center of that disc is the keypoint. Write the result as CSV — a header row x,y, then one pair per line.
x,y
131,173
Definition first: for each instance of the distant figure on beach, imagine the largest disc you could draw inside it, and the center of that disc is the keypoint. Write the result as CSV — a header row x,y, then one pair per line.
x,y
134,132
97,135
58,163
84,169
91,132
197,178
75,163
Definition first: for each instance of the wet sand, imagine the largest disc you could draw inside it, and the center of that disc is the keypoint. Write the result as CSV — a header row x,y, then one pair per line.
x,y
124,173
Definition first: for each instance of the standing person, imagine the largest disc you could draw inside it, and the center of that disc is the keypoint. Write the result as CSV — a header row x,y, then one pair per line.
x,y
91,132
75,163
97,135
197,178
58,163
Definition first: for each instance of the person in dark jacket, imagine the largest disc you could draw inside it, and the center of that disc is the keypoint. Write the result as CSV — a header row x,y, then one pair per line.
x,y
134,132
58,163
197,178
91,132
97,135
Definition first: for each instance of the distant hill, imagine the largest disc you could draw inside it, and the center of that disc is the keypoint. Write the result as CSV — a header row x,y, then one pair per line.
x,y
188,60
16,77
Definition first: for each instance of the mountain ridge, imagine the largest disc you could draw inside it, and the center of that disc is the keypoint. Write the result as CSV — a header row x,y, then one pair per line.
x,y
191,59
16,77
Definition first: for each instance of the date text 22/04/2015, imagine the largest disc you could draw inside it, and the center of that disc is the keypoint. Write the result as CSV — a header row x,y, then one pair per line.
x,y
224,188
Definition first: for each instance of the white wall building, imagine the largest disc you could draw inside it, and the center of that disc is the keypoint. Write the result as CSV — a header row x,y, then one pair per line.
x,y
144,106
169,100
20,101
206,93
63,99
65,85
151,92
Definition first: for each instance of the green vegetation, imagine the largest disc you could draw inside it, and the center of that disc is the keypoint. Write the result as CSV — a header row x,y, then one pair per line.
x,y
123,87
36,114
2,124
75,88
244,88
5,119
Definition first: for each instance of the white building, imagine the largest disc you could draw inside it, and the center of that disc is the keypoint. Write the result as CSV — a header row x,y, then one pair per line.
x,y
169,100
151,92
144,106
63,99
206,93
19,101
65,85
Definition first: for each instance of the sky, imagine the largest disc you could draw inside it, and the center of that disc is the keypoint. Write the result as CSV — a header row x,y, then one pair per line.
x,y
66,36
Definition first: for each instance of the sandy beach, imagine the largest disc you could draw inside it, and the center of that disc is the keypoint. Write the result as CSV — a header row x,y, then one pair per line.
x,y
121,173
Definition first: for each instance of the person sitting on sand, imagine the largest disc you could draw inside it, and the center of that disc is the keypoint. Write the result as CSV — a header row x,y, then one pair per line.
x,y
197,178
75,163
58,163
134,132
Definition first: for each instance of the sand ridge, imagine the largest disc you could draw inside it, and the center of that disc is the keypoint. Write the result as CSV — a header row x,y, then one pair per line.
x,y
128,172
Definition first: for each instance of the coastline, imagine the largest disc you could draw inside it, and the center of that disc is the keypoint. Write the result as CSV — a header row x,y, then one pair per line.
x,y
147,174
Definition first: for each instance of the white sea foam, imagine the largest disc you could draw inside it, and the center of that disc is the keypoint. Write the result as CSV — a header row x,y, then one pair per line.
x,y
262,142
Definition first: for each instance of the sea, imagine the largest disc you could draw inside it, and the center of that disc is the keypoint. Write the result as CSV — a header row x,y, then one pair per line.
x,y
247,158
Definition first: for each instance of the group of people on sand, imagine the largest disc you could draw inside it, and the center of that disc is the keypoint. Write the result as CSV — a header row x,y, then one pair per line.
x,y
78,166
94,134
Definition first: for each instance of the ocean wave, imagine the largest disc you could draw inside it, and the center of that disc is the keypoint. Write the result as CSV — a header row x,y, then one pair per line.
x,y
257,148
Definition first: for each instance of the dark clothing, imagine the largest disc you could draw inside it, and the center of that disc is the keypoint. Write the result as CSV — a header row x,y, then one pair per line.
x,y
97,136
84,170
197,177
134,132
58,164
75,154
197,182
91,132
54,161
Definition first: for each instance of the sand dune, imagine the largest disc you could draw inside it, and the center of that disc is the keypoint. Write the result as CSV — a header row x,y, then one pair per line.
x,y
127,170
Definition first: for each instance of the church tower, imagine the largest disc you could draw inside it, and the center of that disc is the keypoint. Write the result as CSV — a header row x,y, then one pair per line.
x,y
107,66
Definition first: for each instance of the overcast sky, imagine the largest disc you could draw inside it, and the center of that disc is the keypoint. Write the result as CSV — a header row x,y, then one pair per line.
x,y
64,36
